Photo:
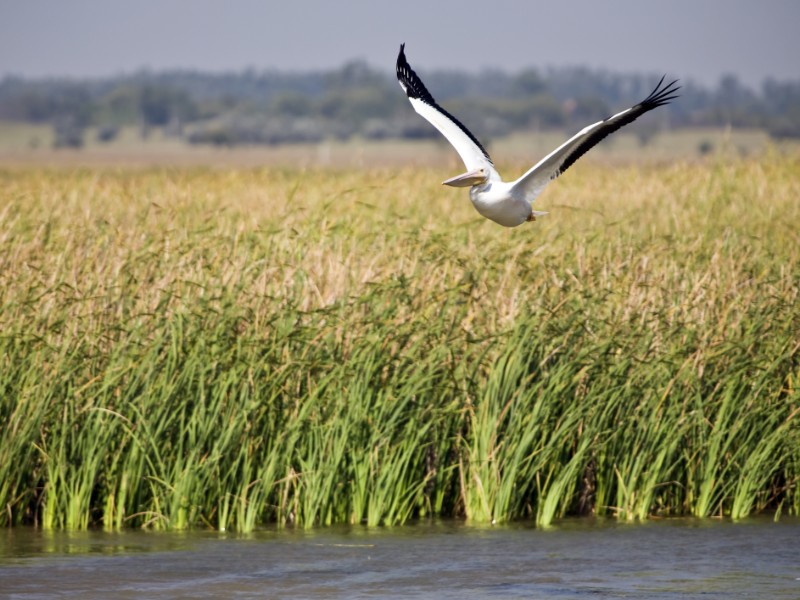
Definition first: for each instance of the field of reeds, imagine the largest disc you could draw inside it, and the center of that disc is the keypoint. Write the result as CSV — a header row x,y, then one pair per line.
x,y
229,348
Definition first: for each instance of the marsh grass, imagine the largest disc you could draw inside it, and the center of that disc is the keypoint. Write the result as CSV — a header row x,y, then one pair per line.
x,y
229,348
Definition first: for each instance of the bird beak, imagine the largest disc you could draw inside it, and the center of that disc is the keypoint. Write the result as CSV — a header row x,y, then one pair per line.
x,y
467,179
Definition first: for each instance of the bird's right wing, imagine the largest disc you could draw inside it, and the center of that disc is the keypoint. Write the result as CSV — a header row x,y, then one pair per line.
x,y
560,159
468,147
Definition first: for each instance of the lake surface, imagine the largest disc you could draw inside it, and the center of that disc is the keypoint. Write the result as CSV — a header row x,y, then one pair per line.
x,y
576,559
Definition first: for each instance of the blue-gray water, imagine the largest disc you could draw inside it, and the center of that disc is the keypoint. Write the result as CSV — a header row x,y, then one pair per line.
x,y
576,559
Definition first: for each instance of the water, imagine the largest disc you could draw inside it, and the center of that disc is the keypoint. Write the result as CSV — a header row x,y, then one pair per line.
x,y
576,559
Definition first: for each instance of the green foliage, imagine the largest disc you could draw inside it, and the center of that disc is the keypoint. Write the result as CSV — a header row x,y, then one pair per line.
x,y
292,104
160,104
233,348
529,83
357,99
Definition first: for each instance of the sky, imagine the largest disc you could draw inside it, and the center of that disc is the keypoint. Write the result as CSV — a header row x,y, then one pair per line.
x,y
692,39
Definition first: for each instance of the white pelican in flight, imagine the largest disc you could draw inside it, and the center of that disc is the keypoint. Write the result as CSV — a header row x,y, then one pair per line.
x,y
509,204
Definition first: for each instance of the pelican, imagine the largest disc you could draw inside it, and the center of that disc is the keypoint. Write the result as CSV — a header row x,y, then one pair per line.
x,y
510,204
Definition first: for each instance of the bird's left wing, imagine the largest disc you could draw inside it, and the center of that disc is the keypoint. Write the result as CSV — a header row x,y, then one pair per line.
x,y
560,159
467,145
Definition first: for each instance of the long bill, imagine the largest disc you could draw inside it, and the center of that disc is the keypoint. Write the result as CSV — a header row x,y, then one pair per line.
x,y
467,179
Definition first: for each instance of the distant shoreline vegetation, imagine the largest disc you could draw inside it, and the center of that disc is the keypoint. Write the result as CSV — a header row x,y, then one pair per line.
x,y
273,108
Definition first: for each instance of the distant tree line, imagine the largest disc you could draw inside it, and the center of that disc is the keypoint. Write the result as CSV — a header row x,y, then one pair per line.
x,y
271,107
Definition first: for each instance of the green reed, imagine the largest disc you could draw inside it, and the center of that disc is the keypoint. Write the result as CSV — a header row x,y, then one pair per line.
x,y
233,348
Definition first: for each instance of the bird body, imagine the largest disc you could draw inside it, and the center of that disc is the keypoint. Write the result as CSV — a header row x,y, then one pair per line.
x,y
502,202
511,204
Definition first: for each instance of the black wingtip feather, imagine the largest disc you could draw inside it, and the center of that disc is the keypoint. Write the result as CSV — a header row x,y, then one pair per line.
x,y
414,88
661,95
410,81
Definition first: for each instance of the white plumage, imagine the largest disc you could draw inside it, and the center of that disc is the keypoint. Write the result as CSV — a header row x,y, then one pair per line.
x,y
510,203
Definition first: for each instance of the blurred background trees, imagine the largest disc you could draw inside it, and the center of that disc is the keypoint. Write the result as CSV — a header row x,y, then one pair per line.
x,y
269,107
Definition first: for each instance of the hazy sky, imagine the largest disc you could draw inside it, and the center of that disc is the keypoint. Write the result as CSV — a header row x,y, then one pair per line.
x,y
699,39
